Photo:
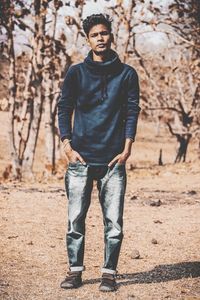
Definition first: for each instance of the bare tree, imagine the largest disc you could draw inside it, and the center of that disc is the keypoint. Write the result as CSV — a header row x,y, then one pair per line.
x,y
7,21
34,81
171,88
169,83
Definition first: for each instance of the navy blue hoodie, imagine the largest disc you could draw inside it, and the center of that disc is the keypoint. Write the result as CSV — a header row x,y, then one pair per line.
x,y
104,97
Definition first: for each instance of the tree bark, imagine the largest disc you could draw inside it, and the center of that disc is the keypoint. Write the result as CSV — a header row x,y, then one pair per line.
x,y
16,163
37,105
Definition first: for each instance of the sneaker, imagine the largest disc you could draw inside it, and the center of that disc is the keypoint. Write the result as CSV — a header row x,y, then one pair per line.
x,y
72,281
108,283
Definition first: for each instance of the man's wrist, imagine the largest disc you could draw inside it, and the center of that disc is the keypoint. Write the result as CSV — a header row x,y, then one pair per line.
x,y
128,146
67,145
130,139
127,152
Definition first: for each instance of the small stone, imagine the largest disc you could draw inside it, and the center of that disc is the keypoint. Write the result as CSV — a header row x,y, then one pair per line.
x,y
133,197
131,296
131,167
135,254
185,291
12,237
192,193
168,174
157,222
30,243
154,241
155,203
3,283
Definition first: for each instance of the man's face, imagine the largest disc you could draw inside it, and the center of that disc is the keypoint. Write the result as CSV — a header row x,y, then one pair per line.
x,y
99,39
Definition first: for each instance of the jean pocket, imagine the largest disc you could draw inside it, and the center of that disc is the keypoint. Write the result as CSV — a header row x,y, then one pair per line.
x,y
119,169
120,164
74,164
76,168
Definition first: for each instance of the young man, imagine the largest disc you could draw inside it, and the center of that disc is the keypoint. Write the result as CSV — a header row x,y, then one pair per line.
x,y
103,93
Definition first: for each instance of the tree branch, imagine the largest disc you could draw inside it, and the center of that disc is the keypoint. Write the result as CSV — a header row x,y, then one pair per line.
x,y
170,32
165,108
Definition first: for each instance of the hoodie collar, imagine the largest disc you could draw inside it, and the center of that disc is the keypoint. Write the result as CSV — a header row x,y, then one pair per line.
x,y
111,66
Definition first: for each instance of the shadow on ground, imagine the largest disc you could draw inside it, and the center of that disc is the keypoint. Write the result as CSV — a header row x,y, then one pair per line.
x,y
161,273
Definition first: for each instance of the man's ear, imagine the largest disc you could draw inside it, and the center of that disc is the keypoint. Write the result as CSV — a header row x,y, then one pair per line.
x,y
87,40
112,38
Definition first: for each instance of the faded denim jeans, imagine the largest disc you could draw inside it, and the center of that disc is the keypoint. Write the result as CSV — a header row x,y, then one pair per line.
x,y
111,184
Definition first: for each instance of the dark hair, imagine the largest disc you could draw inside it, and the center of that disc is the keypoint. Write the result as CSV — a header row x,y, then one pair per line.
x,y
96,19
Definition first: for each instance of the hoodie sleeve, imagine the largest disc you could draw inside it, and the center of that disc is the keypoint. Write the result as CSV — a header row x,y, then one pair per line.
x,y
133,108
66,104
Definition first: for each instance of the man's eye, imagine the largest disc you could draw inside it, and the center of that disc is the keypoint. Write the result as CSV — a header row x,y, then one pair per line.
x,y
102,33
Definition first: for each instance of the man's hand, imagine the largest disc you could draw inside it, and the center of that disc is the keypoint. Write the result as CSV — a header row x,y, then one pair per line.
x,y
122,157
71,154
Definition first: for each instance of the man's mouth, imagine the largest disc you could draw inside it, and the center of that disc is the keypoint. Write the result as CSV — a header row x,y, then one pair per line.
x,y
101,45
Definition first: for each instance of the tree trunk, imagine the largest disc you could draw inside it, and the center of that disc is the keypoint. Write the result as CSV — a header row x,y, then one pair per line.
x,y
48,85
25,119
183,140
38,46
49,127
16,163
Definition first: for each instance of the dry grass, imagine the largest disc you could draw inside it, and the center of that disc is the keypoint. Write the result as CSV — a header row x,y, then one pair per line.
x,y
33,225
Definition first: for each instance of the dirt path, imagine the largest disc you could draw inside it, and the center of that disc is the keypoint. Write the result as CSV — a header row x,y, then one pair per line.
x,y
161,204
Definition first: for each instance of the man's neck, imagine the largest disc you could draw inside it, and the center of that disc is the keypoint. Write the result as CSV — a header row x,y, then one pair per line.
x,y
101,57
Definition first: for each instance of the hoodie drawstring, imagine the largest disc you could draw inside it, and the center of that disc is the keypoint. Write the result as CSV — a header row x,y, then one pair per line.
x,y
104,92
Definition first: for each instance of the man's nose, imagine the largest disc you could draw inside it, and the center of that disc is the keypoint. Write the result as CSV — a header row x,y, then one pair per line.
x,y
100,37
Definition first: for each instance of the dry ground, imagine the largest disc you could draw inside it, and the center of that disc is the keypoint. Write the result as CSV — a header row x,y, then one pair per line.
x,y
33,224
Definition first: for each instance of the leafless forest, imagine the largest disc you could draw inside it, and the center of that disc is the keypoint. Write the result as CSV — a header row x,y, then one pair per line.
x,y
39,40
32,77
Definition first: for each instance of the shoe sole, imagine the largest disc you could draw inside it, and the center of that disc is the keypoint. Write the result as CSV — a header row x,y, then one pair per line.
x,y
71,287
107,289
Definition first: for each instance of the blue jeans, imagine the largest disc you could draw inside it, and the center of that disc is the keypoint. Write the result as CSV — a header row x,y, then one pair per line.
x,y
111,184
